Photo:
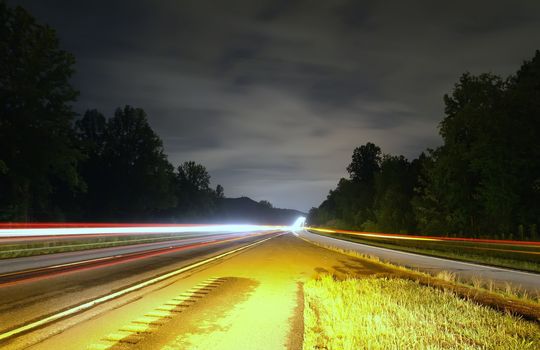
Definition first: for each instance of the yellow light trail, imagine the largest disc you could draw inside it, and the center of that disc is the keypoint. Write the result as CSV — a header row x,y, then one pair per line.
x,y
367,234
440,239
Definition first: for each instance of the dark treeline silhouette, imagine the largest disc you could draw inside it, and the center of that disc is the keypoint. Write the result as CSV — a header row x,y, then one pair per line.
x,y
484,181
55,166
38,154
127,175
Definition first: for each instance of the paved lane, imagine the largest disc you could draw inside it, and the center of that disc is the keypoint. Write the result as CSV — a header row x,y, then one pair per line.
x,y
528,281
38,261
28,300
257,304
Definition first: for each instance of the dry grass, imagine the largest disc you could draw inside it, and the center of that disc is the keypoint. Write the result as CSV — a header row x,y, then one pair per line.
x,y
446,276
507,298
381,313
478,283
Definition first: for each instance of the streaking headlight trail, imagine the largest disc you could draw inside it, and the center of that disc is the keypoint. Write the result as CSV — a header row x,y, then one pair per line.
x,y
298,225
57,230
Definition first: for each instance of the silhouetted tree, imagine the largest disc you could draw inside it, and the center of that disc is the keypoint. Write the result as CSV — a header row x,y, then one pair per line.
x,y
314,217
473,183
483,181
91,132
195,197
220,193
194,176
126,169
266,204
394,190
38,161
522,130
365,163
44,158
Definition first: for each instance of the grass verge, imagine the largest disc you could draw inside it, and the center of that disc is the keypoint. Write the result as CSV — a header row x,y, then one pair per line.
x,y
508,299
382,313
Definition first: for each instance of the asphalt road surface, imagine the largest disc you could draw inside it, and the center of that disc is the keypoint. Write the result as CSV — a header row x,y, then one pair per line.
x,y
49,260
526,280
235,294
248,300
34,297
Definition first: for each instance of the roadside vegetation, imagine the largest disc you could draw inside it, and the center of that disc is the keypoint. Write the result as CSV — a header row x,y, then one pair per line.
x,y
389,313
520,257
502,296
58,164
483,181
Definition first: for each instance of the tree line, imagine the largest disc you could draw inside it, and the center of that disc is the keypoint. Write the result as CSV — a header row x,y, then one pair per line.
x,y
484,181
56,165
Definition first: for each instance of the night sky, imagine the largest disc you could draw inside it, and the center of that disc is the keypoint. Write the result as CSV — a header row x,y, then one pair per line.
x,y
273,96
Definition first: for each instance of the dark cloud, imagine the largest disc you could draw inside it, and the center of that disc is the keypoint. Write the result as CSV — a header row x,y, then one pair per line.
x,y
273,9
272,96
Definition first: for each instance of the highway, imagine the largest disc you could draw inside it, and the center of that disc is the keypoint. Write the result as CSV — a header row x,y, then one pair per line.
x,y
17,266
219,291
251,299
39,286
526,280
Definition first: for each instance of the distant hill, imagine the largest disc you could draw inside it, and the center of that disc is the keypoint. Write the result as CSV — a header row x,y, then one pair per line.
x,y
245,210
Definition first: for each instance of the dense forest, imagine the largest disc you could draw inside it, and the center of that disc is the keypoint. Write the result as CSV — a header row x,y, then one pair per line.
x,y
56,165
484,181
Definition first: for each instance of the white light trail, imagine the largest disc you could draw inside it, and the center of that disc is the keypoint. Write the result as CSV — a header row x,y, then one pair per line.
x,y
60,231
298,225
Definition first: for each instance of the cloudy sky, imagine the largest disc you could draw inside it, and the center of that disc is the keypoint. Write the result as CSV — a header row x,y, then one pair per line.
x,y
273,96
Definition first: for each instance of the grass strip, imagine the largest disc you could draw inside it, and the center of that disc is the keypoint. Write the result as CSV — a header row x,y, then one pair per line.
x,y
508,299
383,313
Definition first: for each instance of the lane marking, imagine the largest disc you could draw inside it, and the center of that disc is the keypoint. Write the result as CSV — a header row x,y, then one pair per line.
x,y
103,299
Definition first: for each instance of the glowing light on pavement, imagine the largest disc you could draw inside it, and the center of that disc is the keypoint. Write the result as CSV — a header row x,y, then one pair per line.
x,y
101,300
299,222
298,225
